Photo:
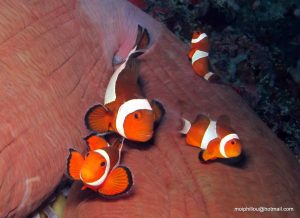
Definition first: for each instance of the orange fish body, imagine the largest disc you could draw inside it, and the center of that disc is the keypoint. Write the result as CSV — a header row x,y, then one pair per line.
x,y
125,109
198,54
215,138
99,170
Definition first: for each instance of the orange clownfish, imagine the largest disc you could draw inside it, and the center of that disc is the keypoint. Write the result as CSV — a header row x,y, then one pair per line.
x,y
125,110
215,138
99,170
198,54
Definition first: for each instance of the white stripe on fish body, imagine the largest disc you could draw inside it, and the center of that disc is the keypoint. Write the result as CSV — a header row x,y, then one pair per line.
x,y
198,55
186,126
110,94
104,176
127,108
209,134
200,37
224,141
208,75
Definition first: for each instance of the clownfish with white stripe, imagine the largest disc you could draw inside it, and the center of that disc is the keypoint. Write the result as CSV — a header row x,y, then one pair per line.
x,y
99,170
215,138
198,54
126,111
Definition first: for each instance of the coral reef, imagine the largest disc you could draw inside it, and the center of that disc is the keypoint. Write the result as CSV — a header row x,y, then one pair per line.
x,y
255,47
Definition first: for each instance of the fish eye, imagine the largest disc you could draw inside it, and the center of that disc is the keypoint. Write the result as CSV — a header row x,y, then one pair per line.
x,y
137,115
102,164
232,142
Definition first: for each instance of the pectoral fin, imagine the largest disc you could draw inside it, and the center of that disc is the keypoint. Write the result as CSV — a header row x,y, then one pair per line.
x,y
98,119
211,153
118,182
74,164
158,110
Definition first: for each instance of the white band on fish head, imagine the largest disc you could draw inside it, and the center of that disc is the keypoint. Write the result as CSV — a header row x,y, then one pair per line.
x,y
199,38
198,55
224,141
103,177
127,108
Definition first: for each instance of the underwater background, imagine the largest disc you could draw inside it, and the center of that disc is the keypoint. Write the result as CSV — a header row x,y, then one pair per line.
x,y
254,47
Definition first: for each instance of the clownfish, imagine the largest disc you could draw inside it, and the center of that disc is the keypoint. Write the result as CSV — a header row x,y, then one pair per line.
x,y
99,170
126,111
215,138
198,54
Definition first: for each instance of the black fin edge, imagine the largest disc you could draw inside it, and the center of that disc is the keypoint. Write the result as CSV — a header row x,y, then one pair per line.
x,y
237,162
163,112
68,162
126,191
87,137
200,157
86,117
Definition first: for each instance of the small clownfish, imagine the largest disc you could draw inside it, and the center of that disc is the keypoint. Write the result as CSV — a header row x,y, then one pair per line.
x,y
125,110
215,138
198,54
99,170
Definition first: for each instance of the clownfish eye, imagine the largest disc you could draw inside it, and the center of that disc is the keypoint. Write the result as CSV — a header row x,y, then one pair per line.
x,y
137,115
102,164
232,142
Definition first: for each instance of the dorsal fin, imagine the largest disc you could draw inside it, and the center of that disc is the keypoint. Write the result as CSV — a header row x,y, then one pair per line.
x,y
201,118
223,127
224,119
95,142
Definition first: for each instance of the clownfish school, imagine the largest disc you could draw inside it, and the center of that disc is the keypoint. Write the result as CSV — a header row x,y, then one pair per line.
x,y
128,114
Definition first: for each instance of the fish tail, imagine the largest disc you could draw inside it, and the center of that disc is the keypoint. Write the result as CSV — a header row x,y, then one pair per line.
x,y
142,42
185,126
143,38
211,77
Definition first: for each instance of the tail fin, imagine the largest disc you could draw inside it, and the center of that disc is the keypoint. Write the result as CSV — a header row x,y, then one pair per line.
x,y
211,77
141,43
185,126
143,38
